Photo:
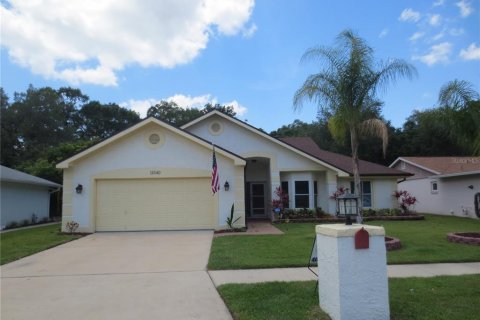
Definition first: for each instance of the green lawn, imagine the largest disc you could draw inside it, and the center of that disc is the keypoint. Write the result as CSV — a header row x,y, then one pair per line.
x,y
423,241
438,298
21,243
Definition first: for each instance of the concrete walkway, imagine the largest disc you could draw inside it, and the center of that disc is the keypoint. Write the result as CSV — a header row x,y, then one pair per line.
x,y
220,277
254,228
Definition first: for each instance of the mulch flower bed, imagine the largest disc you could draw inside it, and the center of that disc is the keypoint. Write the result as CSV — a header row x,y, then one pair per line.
x,y
472,238
335,220
392,243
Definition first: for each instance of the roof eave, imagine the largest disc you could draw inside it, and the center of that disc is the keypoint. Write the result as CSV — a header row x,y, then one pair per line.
x,y
67,163
340,172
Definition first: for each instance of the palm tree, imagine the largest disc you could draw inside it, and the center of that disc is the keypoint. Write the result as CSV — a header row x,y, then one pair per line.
x,y
346,90
460,107
456,94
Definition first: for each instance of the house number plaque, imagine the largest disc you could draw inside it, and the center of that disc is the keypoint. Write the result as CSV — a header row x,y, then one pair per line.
x,y
155,172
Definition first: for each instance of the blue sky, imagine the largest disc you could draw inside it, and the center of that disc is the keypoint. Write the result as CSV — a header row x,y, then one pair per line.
x,y
240,52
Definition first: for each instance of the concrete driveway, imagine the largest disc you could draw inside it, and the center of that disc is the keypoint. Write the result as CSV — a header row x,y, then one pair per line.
x,y
118,275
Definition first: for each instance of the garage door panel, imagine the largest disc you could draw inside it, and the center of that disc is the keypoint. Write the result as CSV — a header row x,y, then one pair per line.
x,y
154,204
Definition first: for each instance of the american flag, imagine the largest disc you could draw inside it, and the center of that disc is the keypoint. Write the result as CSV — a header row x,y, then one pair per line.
x,y
215,183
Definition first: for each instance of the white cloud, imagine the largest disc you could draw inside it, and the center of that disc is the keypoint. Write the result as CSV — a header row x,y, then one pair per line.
x,y
439,3
465,8
237,107
417,35
438,36
191,102
139,106
456,32
435,20
471,53
250,31
438,53
183,101
89,41
409,15
383,33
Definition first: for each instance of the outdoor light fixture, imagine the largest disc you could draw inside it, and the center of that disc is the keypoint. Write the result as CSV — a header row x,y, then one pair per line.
x,y
79,188
226,186
347,206
470,186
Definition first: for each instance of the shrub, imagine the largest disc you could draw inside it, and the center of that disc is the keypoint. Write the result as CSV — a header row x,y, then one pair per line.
x,y
369,212
320,212
45,219
383,212
395,212
25,222
11,225
71,226
34,218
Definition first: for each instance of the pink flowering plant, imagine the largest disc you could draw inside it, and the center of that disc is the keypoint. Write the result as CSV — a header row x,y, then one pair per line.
x,y
281,202
405,200
340,192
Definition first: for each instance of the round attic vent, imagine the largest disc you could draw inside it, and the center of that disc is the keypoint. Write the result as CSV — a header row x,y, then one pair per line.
x,y
216,128
154,138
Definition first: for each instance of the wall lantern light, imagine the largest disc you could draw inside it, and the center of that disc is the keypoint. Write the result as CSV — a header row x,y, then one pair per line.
x,y
226,186
79,188
470,187
347,206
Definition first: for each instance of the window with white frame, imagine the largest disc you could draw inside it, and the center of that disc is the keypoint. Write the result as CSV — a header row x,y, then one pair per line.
x,y
301,194
366,193
434,187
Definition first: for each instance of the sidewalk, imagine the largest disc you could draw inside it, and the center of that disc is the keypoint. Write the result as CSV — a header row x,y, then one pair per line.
x,y
220,277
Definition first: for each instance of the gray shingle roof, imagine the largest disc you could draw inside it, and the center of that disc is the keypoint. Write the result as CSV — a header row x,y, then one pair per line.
x,y
11,175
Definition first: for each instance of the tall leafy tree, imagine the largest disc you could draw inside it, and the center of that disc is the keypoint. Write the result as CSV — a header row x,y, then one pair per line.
x,y
228,110
100,121
171,113
346,89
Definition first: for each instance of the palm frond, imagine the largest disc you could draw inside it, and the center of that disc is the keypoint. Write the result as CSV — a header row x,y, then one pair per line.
x,y
319,88
375,127
457,93
390,72
337,128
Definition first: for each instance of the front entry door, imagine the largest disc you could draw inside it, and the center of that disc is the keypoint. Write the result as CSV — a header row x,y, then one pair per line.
x,y
257,199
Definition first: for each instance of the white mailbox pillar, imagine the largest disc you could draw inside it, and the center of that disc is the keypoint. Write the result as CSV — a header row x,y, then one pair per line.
x,y
352,283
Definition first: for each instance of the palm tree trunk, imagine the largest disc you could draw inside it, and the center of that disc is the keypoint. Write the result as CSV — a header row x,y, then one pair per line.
x,y
356,173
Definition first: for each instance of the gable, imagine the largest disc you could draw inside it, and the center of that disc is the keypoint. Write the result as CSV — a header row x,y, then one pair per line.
x,y
142,139
247,141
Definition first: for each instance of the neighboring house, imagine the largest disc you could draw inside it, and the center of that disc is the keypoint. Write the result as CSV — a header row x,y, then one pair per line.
x,y
154,176
443,185
24,195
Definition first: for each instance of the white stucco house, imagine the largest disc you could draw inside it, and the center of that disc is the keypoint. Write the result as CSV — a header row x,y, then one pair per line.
x,y
443,185
154,176
23,195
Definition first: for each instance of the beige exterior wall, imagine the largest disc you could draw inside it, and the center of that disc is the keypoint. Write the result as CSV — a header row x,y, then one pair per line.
x,y
132,157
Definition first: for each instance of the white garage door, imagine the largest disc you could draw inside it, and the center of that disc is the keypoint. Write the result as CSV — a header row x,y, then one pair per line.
x,y
154,204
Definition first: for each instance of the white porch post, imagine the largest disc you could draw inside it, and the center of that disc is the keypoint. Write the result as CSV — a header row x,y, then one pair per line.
x,y
331,178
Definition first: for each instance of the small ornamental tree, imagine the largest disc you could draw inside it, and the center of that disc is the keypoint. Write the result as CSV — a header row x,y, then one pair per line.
x,y
340,192
282,200
405,200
